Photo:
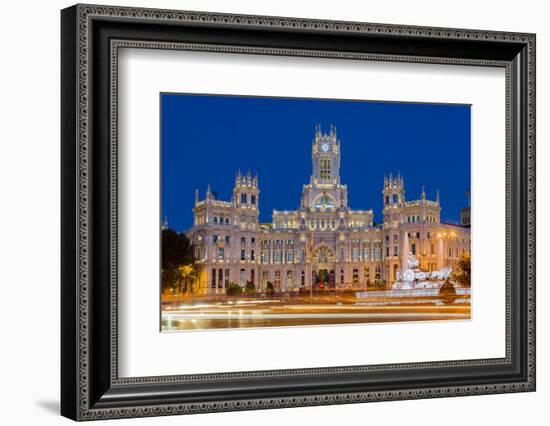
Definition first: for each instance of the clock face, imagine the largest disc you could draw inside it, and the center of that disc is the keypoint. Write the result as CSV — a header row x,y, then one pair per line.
x,y
324,147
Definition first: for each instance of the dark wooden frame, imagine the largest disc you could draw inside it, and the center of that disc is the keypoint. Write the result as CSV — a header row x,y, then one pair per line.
x,y
90,386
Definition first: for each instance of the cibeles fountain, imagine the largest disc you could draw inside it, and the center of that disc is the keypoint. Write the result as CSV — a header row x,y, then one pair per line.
x,y
411,277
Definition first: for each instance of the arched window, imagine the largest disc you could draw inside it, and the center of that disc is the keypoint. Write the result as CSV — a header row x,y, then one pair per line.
x,y
215,219
213,285
243,198
253,199
227,221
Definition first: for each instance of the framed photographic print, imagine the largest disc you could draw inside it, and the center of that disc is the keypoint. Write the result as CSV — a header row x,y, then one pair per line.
x,y
263,212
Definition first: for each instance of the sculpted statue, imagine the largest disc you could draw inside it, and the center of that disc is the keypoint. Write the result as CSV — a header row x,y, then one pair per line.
x,y
412,261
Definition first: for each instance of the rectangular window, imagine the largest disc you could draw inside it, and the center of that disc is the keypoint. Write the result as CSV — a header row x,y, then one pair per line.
x,y
378,252
226,277
289,283
243,256
221,254
241,276
356,276
243,198
395,245
220,278
215,238
366,253
227,239
413,248
213,278
325,168
290,256
277,279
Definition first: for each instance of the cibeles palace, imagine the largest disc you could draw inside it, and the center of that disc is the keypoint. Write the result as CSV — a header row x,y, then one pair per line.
x,y
324,242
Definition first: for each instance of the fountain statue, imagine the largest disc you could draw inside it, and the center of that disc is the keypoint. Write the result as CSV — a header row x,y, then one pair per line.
x,y
412,277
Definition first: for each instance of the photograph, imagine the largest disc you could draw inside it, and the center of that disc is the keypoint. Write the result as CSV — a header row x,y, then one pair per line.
x,y
279,211
266,208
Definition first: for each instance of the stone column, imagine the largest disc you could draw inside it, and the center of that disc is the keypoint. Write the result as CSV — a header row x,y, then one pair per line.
x,y
405,252
440,253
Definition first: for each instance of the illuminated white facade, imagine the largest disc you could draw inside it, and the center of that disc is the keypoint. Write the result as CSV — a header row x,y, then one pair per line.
x,y
324,243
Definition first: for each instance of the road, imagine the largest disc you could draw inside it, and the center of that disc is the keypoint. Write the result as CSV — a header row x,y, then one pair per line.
x,y
178,316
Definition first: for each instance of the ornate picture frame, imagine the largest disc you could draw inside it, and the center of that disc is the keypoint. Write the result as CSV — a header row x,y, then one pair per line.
x,y
91,37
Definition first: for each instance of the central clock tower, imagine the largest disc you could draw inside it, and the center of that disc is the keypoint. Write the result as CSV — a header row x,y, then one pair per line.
x,y
324,191
325,154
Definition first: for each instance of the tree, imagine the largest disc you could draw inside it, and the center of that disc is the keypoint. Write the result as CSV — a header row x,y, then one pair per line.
x,y
269,290
187,275
463,271
249,289
177,263
176,249
233,289
170,279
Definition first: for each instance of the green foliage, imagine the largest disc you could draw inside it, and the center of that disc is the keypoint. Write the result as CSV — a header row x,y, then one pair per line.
x,y
463,271
233,289
269,290
249,289
178,262
176,250
169,280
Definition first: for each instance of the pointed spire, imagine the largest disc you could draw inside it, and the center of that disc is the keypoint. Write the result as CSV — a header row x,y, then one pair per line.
x,y
423,195
208,193
165,223
196,197
437,196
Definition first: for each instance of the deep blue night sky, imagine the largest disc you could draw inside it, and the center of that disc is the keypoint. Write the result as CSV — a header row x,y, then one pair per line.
x,y
206,139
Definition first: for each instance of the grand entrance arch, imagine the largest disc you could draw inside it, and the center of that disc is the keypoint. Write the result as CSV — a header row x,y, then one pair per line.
x,y
323,275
